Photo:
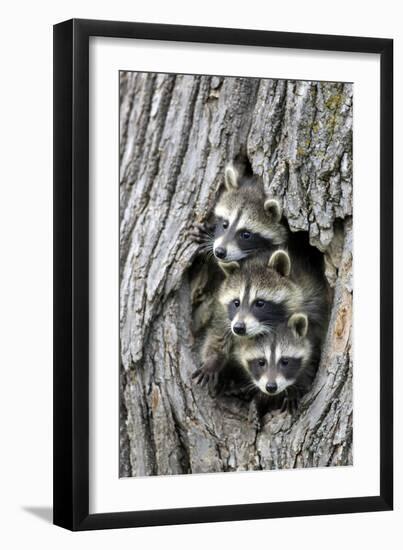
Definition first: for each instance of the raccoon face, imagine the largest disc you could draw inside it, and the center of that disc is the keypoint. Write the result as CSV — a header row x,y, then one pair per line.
x,y
275,362
258,295
245,223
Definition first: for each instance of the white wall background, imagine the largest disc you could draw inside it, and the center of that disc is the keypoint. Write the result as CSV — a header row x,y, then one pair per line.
x,y
26,279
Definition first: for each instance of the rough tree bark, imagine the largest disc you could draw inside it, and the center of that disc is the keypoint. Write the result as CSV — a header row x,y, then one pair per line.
x,y
176,135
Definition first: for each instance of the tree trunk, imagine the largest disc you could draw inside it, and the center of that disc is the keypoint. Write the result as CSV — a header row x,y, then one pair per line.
x,y
176,135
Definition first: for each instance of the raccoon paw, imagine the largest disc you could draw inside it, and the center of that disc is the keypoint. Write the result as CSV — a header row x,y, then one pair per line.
x,y
201,235
290,402
208,373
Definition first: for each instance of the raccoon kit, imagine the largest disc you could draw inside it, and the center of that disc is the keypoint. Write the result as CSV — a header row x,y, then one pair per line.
x,y
261,293
268,304
281,365
245,223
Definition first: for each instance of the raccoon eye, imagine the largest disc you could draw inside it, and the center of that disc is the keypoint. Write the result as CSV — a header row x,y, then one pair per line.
x,y
237,303
224,224
284,361
245,235
259,303
261,362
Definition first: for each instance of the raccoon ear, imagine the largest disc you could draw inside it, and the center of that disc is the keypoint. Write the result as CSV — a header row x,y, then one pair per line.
x,y
280,262
231,177
228,268
298,323
273,210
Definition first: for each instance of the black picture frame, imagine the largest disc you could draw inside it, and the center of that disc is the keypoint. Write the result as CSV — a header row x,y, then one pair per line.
x,y
71,274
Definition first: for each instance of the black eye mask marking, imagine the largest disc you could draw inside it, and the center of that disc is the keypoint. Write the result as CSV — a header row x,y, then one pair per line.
x,y
249,242
289,367
256,368
265,312
268,312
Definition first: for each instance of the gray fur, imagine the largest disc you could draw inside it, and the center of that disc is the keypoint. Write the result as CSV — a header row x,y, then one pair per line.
x,y
291,341
303,290
244,206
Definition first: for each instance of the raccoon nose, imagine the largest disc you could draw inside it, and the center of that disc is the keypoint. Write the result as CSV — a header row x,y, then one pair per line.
x,y
220,252
239,328
271,387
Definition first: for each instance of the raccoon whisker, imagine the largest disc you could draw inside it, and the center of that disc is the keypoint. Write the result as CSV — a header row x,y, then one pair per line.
x,y
227,332
209,255
249,250
206,245
258,331
206,252
267,328
202,233
274,321
228,328
250,388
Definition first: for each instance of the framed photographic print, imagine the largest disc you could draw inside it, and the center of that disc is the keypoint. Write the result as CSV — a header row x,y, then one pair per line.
x,y
223,303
